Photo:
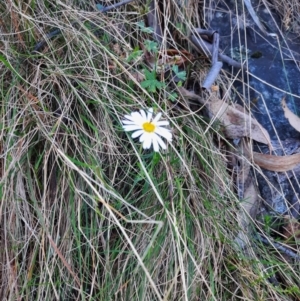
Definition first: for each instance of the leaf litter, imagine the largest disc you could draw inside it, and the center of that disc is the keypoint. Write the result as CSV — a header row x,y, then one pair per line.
x,y
237,123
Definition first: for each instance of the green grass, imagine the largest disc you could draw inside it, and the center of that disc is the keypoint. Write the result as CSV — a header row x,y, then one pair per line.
x,y
86,213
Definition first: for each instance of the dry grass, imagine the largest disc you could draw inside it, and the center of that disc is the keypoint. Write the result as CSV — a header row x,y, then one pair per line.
x,y
85,213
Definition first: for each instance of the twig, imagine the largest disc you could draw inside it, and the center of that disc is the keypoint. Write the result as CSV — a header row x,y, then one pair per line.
x,y
278,246
216,66
205,32
212,75
106,9
215,50
207,49
254,16
154,22
49,36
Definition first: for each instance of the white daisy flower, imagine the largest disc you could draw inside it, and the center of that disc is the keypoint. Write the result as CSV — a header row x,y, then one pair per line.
x,y
149,129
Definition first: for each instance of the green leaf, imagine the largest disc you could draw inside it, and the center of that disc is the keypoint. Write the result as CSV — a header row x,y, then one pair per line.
x,y
150,75
151,46
143,28
80,163
173,96
134,55
9,66
180,74
156,159
151,84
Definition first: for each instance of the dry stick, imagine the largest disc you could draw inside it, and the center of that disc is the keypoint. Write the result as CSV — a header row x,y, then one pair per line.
x,y
277,246
105,9
202,45
205,32
57,32
154,22
254,16
212,75
215,51
207,49
216,66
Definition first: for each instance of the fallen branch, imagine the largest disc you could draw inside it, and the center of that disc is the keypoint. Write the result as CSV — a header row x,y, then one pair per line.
x,y
207,48
278,246
212,75
216,65
215,48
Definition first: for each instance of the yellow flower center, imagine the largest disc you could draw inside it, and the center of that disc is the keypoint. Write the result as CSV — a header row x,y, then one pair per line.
x,y
149,127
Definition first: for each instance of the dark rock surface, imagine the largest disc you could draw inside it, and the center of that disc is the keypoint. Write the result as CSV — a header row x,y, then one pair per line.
x,y
273,62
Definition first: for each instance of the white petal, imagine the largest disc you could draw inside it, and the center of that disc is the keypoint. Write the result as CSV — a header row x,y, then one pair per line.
x,y
147,141
137,133
163,122
143,114
160,142
129,128
128,117
157,117
142,137
155,144
134,122
164,133
128,122
136,117
148,136
150,114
